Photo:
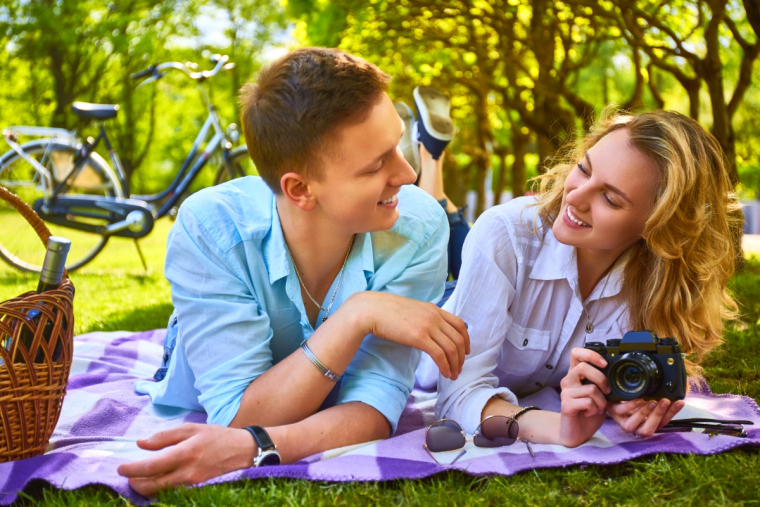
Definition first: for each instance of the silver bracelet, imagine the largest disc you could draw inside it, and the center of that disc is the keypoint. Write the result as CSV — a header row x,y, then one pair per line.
x,y
327,372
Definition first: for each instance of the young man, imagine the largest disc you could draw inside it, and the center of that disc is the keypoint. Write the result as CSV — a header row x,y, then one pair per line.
x,y
332,246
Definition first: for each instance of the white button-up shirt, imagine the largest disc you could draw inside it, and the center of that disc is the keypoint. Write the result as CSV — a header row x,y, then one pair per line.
x,y
519,296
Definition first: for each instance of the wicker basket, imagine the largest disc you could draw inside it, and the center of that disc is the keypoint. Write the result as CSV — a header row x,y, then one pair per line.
x,y
31,393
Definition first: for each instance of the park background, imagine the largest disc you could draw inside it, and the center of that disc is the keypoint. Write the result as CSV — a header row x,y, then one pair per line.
x,y
524,77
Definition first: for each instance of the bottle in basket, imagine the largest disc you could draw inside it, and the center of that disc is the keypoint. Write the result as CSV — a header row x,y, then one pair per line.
x,y
50,279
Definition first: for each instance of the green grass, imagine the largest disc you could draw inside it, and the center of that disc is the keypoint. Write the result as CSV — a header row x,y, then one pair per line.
x,y
115,293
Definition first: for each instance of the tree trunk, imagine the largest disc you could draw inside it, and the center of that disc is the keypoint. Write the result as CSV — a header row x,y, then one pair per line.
x,y
712,72
544,151
482,155
655,88
501,181
520,147
456,181
62,97
636,101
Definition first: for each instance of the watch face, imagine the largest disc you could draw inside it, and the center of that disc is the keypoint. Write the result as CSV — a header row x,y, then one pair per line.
x,y
268,458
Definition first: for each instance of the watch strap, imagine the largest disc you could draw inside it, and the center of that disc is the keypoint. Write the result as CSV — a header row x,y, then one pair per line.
x,y
261,437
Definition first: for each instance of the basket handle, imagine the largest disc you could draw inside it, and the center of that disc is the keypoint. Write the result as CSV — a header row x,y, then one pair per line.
x,y
28,213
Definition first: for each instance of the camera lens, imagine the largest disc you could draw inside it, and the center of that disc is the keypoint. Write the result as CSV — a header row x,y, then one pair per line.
x,y
631,378
635,375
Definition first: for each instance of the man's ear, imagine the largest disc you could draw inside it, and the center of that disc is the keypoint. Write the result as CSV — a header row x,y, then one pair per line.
x,y
296,188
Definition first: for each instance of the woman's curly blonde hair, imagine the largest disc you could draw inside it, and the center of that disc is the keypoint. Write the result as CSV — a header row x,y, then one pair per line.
x,y
675,281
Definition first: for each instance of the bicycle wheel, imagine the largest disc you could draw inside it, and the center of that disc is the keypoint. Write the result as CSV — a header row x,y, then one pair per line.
x,y
241,163
19,246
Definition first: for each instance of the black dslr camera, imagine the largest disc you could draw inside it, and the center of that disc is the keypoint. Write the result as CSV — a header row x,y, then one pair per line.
x,y
642,365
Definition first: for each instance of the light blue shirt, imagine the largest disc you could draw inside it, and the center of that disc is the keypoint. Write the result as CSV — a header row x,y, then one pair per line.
x,y
238,306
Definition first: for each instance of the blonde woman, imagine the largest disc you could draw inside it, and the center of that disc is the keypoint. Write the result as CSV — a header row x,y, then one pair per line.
x,y
632,234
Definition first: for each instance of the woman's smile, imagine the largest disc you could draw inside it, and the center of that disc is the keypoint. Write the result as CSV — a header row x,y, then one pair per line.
x,y
573,219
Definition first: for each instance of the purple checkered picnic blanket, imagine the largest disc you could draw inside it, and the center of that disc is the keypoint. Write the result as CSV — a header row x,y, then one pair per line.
x,y
102,418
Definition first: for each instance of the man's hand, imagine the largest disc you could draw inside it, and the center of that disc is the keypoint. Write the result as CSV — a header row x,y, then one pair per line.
x,y
416,324
200,453
643,418
583,405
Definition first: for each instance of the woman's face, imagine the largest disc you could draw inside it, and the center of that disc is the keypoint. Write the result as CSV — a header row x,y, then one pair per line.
x,y
608,197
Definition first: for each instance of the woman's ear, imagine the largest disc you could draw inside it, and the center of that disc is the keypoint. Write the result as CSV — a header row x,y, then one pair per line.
x,y
296,188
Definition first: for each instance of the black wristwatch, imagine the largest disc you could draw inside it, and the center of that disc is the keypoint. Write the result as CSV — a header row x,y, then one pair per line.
x,y
267,454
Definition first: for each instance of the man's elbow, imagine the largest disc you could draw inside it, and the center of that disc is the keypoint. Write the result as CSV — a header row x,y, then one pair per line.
x,y
382,428
377,425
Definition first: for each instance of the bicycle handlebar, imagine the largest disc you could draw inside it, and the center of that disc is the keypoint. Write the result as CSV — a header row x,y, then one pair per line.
x,y
155,70
143,73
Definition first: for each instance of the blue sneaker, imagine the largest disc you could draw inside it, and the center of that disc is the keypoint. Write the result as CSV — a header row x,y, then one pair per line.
x,y
434,126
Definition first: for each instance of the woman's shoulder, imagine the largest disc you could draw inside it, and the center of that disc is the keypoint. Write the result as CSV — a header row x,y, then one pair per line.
x,y
517,216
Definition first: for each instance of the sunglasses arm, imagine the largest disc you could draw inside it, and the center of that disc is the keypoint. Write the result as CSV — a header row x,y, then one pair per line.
x,y
444,464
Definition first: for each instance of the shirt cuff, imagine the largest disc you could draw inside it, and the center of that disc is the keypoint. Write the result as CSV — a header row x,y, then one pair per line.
x,y
473,409
222,402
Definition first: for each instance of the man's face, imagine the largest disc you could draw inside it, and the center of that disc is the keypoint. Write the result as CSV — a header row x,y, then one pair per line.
x,y
363,173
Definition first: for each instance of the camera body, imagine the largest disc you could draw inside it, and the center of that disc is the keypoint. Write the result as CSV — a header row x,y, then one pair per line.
x,y
642,365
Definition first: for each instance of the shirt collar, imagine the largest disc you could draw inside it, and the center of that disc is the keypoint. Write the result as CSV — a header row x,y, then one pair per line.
x,y
557,261
615,283
360,265
275,249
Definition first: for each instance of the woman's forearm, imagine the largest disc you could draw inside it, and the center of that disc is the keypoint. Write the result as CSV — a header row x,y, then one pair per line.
x,y
545,427
537,426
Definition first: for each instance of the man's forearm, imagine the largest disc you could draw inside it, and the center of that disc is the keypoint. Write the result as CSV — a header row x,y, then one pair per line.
x,y
346,424
294,388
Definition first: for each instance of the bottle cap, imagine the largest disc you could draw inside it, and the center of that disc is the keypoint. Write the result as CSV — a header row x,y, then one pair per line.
x,y
58,244
55,260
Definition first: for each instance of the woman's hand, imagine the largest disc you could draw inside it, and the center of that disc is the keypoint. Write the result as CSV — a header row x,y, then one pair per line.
x,y
643,418
416,324
200,452
583,405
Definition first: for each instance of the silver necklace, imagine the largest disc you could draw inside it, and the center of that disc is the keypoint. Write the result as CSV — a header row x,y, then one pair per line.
x,y
590,323
337,286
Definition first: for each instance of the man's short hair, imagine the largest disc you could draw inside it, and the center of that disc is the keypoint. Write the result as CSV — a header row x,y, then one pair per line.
x,y
292,112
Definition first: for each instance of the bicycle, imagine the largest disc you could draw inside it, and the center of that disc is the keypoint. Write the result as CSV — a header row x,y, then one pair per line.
x,y
81,196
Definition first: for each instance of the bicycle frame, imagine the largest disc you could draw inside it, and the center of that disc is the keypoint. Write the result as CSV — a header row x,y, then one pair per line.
x,y
83,154
187,173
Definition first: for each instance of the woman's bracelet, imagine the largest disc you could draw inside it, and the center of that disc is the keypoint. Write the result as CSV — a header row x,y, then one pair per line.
x,y
327,372
523,410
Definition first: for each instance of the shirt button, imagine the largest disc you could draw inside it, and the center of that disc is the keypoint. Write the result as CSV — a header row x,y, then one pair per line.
x,y
525,342
549,367
539,384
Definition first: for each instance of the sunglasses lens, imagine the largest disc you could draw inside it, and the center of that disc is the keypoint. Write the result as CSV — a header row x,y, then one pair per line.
x,y
444,436
497,432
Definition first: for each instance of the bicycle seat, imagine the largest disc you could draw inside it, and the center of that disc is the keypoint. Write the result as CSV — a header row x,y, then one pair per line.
x,y
95,111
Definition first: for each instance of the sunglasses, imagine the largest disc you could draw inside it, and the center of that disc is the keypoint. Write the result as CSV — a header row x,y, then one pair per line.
x,y
734,428
446,435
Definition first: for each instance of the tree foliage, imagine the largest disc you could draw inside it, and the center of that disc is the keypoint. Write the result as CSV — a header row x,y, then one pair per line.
x,y
524,76
56,52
